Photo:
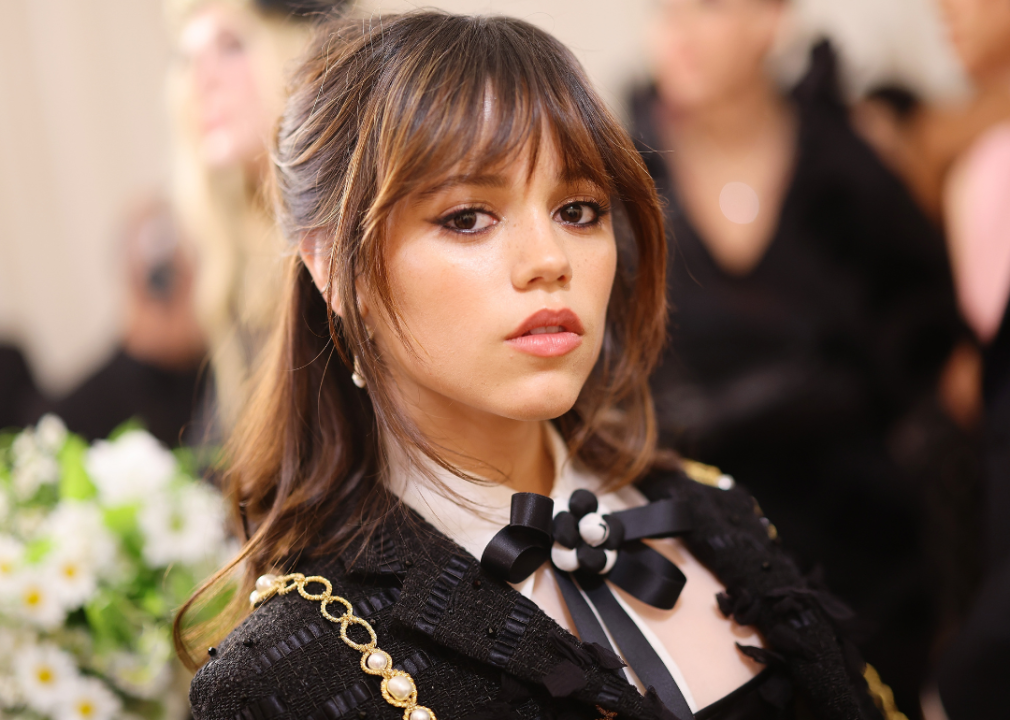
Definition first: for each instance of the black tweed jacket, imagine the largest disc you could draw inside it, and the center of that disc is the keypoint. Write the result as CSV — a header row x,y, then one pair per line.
x,y
479,650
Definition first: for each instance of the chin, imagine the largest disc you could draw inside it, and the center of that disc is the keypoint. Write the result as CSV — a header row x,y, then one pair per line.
x,y
542,399
218,151
224,150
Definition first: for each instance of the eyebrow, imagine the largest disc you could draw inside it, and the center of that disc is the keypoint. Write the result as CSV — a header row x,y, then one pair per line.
x,y
478,179
496,182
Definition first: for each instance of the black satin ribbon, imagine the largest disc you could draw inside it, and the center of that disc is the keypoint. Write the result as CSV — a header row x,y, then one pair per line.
x,y
518,549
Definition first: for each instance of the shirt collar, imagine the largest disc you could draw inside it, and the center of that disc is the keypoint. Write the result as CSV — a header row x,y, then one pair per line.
x,y
471,513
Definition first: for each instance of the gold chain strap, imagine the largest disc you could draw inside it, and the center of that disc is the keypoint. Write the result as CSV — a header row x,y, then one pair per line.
x,y
398,687
882,695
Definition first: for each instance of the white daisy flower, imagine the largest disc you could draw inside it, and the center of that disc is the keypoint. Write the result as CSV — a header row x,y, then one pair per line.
x,y
11,554
73,577
28,521
36,601
10,693
24,446
78,528
142,677
32,472
134,467
44,675
185,527
50,433
87,699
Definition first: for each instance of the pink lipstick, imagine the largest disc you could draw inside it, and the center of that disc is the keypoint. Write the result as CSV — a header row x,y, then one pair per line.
x,y
548,333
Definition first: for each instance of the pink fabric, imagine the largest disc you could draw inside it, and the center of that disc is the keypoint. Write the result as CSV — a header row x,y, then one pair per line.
x,y
979,226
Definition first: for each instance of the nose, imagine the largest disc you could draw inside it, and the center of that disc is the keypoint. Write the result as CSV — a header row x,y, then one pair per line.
x,y
541,259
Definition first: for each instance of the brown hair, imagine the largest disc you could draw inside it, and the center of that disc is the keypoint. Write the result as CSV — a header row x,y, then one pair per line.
x,y
378,112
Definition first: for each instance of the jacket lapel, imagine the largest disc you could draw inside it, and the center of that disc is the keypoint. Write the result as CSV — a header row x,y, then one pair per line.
x,y
447,597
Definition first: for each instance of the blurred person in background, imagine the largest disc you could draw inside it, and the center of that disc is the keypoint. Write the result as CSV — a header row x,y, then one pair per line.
x,y
976,203
226,91
154,376
812,312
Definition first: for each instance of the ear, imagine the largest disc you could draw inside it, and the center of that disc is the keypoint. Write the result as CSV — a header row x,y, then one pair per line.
x,y
314,250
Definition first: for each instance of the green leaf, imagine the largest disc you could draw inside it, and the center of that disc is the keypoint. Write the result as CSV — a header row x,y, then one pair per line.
x,y
122,521
128,426
154,602
112,620
74,481
7,439
46,496
36,550
178,584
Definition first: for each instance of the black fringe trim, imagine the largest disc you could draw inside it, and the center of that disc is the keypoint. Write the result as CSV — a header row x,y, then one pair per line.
x,y
438,599
380,601
263,709
508,637
611,691
344,702
285,647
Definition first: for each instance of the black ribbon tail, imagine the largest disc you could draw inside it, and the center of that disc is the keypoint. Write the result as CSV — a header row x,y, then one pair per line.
x,y
660,518
636,648
590,630
647,575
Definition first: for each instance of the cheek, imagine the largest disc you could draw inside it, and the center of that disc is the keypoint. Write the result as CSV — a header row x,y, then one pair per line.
x,y
448,300
243,96
596,268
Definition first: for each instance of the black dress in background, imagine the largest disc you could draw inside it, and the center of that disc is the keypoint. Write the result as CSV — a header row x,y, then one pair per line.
x,y
20,399
974,671
793,377
125,388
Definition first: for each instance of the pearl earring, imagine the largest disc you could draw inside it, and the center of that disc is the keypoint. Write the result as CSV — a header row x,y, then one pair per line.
x,y
356,377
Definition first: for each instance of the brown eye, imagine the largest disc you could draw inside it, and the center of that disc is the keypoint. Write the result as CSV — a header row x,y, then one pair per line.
x,y
465,220
578,214
469,221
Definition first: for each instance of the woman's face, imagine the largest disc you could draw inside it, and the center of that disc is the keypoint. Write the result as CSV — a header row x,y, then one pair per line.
x,y
502,279
705,51
232,121
980,32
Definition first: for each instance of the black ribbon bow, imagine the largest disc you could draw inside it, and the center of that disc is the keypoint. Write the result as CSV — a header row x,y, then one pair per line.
x,y
588,548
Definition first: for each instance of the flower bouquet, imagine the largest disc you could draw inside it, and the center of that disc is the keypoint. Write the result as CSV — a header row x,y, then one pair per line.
x,y
98,546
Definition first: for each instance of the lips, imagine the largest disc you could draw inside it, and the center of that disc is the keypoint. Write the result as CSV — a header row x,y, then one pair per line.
x,y
548,333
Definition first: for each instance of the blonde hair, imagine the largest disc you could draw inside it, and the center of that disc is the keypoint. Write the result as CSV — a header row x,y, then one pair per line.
x,y
223,211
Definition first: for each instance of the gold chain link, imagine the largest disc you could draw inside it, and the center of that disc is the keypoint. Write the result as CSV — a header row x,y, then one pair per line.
x,y
398,687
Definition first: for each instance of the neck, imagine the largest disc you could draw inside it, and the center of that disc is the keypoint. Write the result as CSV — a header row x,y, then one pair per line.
x,y
737,119
513,452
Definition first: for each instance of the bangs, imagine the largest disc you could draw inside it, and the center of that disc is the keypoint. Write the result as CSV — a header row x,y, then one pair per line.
x,y
477,95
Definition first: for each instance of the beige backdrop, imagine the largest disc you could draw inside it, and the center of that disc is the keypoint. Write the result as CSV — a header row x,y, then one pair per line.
x,y
82,133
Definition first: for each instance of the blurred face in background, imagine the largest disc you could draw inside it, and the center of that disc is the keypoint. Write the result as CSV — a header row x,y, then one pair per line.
x,y
705,51
980,32
232,120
